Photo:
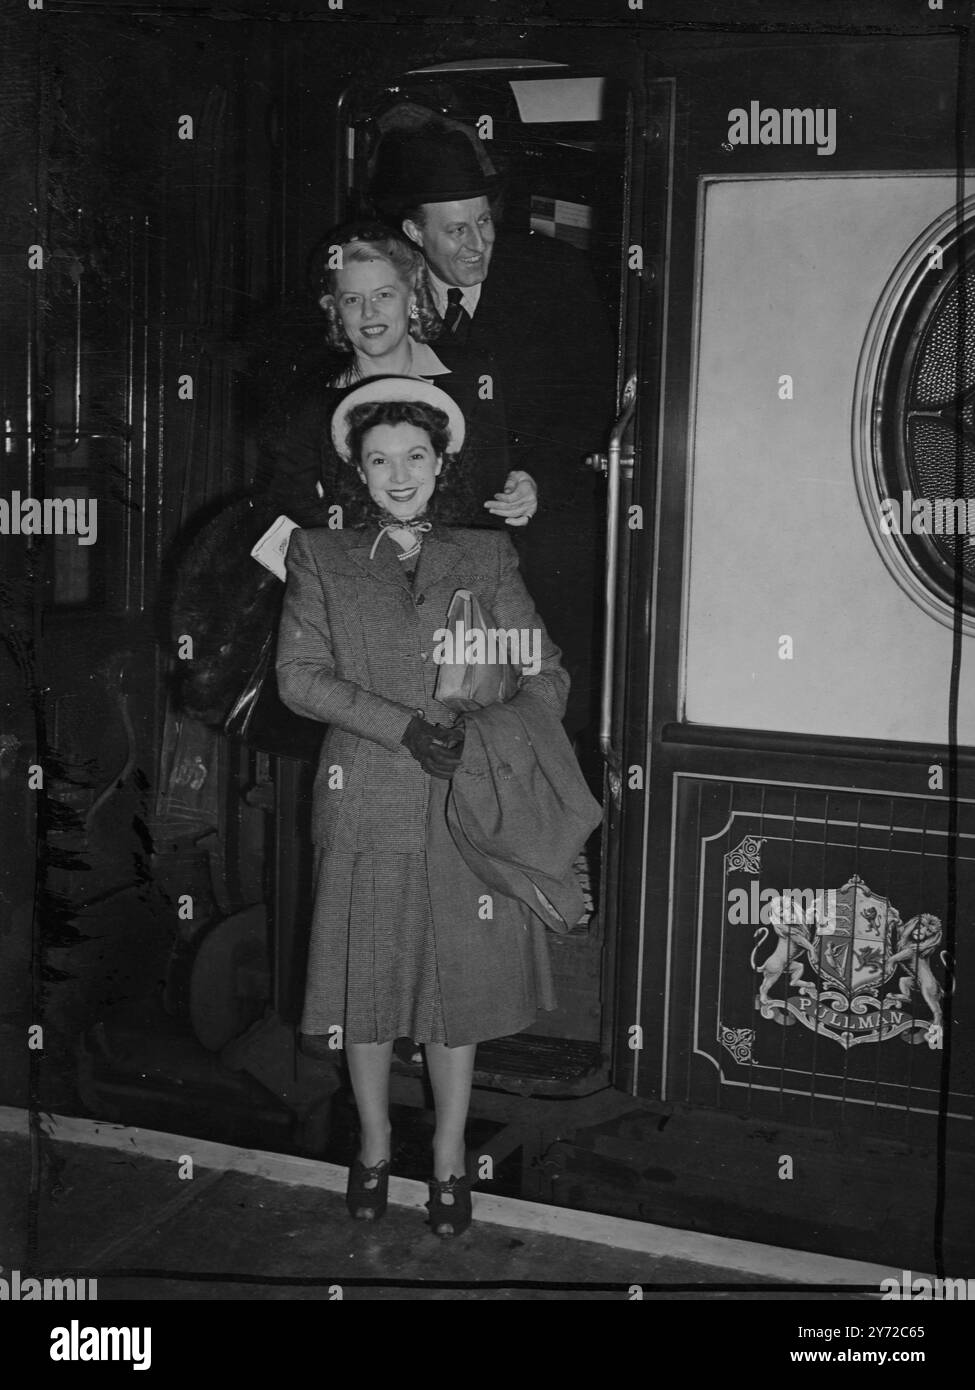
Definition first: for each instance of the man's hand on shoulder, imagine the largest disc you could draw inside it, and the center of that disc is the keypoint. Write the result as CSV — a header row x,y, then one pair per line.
x,y
518,503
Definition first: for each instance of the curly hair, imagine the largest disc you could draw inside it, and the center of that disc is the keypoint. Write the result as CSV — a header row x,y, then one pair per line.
x,y
369,241
453,497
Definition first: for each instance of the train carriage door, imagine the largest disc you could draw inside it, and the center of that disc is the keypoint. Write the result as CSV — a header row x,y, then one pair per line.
x,y
586,157
801,948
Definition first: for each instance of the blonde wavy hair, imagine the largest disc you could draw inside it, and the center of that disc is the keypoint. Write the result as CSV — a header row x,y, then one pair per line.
x,y
369,241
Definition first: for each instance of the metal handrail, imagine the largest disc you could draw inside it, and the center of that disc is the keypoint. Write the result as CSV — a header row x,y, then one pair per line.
x,y
612,567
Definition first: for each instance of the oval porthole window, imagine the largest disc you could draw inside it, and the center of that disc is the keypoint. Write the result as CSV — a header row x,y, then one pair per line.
x,y
915,421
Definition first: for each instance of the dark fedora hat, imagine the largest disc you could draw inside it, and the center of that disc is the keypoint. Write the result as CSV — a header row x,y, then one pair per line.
x,y
430,164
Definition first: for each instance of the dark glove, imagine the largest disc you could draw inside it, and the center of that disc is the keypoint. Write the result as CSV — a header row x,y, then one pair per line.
x,y
436,748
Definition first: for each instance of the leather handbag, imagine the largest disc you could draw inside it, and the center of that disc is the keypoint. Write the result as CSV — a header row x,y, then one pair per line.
x,y
260,718
476,671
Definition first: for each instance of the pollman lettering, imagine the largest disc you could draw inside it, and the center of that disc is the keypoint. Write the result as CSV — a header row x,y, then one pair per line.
x,y
494,645
791,126
77,1343
54,516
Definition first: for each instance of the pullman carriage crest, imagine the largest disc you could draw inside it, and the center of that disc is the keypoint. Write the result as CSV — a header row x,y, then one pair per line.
x,y
854,970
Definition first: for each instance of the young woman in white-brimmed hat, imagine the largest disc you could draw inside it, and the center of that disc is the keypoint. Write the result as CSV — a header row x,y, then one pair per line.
x,y
356,650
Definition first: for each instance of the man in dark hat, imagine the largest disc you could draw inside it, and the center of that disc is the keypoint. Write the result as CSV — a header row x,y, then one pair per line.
x,y
528,303
430,182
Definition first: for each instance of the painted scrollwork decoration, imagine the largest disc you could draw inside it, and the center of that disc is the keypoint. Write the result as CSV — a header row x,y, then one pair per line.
x,y
746,857
737,1041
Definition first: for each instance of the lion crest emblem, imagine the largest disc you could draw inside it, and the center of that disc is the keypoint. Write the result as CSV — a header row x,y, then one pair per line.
x,y
870,973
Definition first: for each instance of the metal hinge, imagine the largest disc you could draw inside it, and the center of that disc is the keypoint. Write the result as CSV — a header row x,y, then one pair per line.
x,y
600,463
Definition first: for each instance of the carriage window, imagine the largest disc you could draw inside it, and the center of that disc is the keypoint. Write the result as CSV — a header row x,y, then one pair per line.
x,y
923,423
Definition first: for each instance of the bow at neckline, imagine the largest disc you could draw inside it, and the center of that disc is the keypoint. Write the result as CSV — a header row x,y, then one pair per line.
x,y
410,542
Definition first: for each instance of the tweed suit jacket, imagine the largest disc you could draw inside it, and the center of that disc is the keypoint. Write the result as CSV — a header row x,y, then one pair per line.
x,y
355,650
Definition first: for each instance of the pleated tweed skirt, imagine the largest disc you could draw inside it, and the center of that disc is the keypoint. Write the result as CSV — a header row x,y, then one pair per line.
x,y
372,961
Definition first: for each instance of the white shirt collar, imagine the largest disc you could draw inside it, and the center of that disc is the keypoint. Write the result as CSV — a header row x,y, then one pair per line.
x,y
469,295
426,363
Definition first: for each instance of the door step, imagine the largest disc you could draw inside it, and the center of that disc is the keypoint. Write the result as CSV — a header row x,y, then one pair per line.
x,y
530,1065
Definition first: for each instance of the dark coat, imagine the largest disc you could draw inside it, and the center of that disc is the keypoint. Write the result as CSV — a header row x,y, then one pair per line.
x,y
355,650
541,321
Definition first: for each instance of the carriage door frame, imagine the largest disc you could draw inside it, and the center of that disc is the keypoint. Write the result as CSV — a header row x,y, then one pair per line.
x,y
640,357
630,599
729,1022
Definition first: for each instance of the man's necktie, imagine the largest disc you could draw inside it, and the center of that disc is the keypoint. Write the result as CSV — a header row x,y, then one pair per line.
x,y
456,320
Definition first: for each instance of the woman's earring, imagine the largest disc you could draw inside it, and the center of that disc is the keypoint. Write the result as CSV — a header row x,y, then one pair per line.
x,y
414,312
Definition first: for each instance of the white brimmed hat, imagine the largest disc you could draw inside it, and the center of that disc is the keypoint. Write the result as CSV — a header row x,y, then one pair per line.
x,y
397,388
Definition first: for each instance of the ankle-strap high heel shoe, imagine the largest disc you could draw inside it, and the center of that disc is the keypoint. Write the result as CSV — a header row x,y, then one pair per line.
x,y
454,1218
367,1203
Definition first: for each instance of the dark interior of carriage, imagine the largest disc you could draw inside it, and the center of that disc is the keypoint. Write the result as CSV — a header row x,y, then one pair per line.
x,y
177,875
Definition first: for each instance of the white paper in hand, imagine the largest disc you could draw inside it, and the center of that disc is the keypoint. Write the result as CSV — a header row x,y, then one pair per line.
x,y
271,549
